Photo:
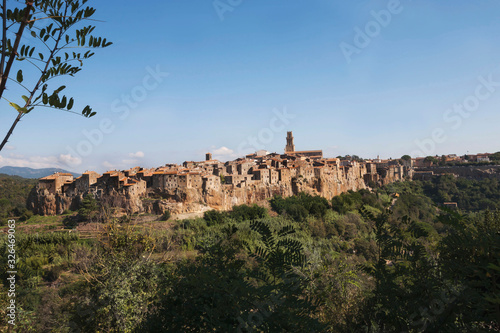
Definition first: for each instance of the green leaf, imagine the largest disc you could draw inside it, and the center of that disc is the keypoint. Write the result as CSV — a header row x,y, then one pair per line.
x,y
20,76
25,98
70,103
33,33
17,107
58,90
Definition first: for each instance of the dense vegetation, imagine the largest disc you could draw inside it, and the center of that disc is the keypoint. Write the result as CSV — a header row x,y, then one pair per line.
x,y
14,191
384,261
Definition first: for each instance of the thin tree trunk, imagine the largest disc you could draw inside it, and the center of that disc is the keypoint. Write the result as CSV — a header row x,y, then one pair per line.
x,y
18,118
4,36
5,74
19,34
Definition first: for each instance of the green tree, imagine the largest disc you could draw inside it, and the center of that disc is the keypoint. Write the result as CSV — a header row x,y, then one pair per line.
x,y
122,283
470,260
495,157
213,217
166,215
431,159
88,208
51,28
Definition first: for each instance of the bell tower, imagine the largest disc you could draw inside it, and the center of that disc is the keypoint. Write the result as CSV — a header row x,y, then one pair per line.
x,y
290,147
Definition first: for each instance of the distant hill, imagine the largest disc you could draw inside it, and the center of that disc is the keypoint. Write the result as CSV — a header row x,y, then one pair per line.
x,y
32,173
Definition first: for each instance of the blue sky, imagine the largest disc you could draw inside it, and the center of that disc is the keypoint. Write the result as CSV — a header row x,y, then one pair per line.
x,y
187,77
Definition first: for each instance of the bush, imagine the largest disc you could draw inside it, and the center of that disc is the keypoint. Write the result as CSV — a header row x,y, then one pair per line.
x,y
296,212
214,217
346,202
366,248
317,228
70,222
166,215
300,206
26,215
53,273
246,213
88,208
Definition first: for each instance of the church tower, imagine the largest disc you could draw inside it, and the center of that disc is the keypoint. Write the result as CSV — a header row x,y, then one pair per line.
x,y
290,147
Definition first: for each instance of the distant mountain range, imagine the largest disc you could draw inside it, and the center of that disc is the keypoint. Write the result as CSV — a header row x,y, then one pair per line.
x,y
32,173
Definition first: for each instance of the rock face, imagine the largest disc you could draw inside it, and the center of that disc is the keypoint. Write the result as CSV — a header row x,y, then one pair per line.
x,y
41,202
189,200
210,185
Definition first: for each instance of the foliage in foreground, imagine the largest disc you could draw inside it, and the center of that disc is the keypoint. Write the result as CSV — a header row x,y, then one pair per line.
x,y
349,265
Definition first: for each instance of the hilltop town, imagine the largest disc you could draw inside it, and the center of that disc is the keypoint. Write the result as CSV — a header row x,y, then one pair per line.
x,y
211,184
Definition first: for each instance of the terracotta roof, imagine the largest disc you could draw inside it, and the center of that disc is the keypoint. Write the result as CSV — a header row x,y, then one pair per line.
x,y
56,174
51,177
305,151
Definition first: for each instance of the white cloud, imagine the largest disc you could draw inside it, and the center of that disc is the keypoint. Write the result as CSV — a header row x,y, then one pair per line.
x,y
131,161
108,165
38,162
9,147
223,151
70,160
139,154
224,154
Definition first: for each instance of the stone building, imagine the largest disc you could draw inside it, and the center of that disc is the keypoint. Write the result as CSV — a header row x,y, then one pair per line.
x,y
85,181
261,175
134,188
54,183
284,175
211,182
273,176
222,185
290,147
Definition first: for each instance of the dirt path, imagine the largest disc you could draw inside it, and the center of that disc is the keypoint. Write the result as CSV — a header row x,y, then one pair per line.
x,y
185,216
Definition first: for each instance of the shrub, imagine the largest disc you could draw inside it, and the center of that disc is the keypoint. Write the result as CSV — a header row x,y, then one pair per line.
x,y
317,227
213,217
70,222
297,212
366,248
166,215
26,215
246,213
88,208
53,273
